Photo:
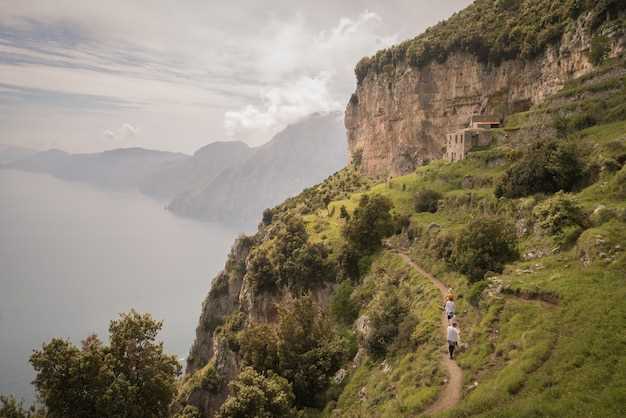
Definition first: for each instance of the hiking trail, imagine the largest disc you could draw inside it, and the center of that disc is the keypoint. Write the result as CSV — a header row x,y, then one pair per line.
x,y
451,393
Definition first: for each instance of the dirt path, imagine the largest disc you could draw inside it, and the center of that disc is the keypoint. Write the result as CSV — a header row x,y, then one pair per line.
x,y
451,394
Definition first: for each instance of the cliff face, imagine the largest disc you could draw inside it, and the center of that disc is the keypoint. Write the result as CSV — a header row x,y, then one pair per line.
x,y
398,118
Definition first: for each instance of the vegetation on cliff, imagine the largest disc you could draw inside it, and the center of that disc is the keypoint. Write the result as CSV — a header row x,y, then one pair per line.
x,y
524,265
498,30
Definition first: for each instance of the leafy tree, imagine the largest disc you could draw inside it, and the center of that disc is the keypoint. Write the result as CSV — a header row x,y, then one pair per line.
x,y
363,233
254,395
385,316
426,201
268,216
258,347
11,408
308,352
484,245
130,377
260,271
342,306
546,167
370,223
599,49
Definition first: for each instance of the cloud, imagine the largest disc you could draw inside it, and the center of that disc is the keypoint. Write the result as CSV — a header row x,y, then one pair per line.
x,y
281,105
124,134
306,72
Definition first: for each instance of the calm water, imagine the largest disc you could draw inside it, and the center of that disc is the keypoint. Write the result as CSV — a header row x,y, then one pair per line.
x,y
72,257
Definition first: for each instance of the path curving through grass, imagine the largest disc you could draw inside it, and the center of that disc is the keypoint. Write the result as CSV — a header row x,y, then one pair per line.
x,y
451,394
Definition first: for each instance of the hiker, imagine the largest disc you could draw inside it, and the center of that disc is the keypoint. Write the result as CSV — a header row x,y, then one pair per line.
x,y
449,307
453,338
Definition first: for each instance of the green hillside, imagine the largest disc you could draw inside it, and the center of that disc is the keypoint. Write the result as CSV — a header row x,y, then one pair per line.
x,y
542,325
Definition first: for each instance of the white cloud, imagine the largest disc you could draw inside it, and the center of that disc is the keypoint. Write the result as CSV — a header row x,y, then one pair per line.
x,y
306,72
281,105
125,134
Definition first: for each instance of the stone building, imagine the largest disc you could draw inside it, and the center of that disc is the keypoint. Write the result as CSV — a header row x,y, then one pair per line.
x,y
460,142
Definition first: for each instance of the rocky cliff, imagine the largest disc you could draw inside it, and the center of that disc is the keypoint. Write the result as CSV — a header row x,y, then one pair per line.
x,y
399,115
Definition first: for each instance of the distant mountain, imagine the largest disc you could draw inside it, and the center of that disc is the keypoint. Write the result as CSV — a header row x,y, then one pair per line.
x,y
299,156
10,153
194,172
124,168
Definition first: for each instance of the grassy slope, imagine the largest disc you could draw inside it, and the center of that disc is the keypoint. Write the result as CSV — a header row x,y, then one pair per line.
x,y
529,358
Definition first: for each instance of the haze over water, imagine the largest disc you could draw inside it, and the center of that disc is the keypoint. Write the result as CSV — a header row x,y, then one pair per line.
x,y
72,257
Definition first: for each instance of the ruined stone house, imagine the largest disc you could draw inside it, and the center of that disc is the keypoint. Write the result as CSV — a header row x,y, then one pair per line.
x,y
459,143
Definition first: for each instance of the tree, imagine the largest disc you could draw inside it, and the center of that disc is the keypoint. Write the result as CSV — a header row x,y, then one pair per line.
x,y
484,245
342,306
370,223
308,352
546,167
11,408
131,377
426,201
343,213
254,395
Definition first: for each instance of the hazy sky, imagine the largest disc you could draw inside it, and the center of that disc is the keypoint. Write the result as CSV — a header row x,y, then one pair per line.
x,y
85,75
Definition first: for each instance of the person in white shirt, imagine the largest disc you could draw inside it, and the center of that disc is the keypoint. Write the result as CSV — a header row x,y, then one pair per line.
x,y
453,338
449,308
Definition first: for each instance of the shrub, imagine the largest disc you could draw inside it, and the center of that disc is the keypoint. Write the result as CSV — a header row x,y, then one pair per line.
x,y
343,213
342,307
370,223
309,353
485,244
267,216
258,347
426,201
253,395
599,49
476,291
546,167
385,314
557,213
189,411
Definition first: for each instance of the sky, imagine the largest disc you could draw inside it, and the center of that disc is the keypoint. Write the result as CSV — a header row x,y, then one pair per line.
x,y
85,76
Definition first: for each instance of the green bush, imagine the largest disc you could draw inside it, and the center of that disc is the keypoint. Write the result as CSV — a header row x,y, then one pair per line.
x,y
485,244
385,314
342,307
476,291
253,395
258,347
557,213
309,352
426,201
546,167
370,223
599,49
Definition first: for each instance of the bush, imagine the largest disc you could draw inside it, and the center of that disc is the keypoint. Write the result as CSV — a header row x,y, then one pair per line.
x,y
370,223
253,395
557,213
546,167
342,307
426,201
268,215
258,347
486,244
309,353
385,314
476,291
599,49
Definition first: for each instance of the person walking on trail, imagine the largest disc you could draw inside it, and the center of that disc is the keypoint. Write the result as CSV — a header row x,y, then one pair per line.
x,y
453,339
449,307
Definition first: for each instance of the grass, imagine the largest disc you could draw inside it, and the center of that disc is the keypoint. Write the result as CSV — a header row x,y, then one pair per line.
x,y
530,358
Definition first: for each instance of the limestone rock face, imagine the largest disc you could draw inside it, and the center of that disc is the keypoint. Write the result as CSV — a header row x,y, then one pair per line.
x,y
398,119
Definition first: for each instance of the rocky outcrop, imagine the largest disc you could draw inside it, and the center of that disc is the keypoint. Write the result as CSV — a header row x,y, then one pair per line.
x,y
398,118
